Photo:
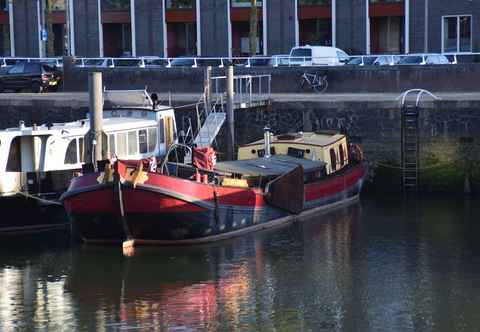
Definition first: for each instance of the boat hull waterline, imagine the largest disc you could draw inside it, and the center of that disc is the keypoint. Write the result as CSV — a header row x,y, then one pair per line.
x,y
167,210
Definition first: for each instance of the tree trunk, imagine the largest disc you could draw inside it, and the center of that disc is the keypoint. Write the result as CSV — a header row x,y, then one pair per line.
x,y
253,28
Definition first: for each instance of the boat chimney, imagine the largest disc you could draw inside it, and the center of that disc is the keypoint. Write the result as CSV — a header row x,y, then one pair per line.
x,y
266,139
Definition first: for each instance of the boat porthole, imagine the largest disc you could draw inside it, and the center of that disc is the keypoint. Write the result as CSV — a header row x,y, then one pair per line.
x,y
307,150
254,151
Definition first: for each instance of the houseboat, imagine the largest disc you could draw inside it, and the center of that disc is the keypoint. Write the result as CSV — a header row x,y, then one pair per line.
x,y
38,162
276,180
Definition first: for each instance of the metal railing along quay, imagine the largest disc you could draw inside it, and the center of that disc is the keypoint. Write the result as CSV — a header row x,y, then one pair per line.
x,y
248,62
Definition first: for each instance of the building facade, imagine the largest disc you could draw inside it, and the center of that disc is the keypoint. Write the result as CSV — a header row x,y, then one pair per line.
x,y
171,28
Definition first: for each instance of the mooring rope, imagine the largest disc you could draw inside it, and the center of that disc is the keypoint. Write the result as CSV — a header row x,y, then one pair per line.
x,y
42,200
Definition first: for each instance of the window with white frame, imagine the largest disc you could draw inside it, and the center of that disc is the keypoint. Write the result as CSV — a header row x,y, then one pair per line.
x,y
457,33
133,142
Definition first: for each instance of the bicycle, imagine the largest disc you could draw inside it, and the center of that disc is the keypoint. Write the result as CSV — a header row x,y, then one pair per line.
x,y
316,82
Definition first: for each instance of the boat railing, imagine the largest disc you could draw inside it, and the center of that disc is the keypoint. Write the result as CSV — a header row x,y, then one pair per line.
x,y
173,148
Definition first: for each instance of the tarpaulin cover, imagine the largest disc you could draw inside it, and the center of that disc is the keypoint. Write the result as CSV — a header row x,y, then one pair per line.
x,y
204,158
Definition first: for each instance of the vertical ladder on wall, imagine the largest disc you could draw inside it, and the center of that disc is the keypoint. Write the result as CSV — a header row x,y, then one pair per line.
x,y
410,148
410,138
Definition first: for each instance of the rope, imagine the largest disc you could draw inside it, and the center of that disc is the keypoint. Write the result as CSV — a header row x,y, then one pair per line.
x,y
42,200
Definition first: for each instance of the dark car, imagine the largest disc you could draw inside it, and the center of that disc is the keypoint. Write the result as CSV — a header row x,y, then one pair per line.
x,y
36,77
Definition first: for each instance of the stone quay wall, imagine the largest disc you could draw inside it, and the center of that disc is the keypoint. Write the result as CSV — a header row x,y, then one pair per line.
x,y
344,79
449,133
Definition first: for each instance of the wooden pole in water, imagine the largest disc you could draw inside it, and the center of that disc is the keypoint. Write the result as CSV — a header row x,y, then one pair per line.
x,y
96,115
230,116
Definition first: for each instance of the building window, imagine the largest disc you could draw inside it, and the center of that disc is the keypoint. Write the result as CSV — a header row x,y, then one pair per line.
x,y
115,4
57,4
244,3
4,5
386,1
457,34
180,4
314,2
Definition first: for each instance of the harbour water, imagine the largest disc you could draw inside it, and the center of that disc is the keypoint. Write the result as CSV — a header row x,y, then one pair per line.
x,y
384,264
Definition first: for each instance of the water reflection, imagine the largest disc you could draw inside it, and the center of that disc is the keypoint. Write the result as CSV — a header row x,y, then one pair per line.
x,y
382,265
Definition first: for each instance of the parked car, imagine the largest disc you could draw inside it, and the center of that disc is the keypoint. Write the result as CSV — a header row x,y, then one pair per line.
x,y
183,62
127,62
52,62
254,62
36,77
154,62
317,56
361,60
424,59
386,60
279,60
205,62
96,63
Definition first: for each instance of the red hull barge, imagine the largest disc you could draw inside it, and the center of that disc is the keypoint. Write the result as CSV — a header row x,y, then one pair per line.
x,y
171,210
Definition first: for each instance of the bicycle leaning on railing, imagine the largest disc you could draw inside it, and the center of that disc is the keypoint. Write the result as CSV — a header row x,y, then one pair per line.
x,y
316,82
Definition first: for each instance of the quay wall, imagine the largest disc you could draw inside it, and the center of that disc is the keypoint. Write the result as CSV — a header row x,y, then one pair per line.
x,y
344,79
449,133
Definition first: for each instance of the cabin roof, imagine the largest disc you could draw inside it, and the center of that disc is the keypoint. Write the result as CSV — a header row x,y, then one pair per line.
x,y
109,124
274,165
322,139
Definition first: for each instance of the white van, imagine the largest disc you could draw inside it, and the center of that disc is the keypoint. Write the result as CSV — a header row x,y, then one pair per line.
x,y
317,56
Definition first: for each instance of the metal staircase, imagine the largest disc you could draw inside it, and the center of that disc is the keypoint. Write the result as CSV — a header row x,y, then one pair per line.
x,y
211,126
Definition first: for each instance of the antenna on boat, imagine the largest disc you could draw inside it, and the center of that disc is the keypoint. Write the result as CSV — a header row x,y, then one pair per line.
x,y
266,139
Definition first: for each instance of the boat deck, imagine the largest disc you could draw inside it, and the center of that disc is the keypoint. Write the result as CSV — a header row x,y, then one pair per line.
x,y
274,165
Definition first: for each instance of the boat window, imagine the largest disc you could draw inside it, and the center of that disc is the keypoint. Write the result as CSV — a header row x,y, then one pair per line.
x,y
142,139
71,154
14,162
296,153
132,143
111,144
81,148
121,144
333,159
152,139
261,152
342,155
162,131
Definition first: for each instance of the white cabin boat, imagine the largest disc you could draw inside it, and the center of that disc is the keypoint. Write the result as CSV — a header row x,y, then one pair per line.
x,y
38,162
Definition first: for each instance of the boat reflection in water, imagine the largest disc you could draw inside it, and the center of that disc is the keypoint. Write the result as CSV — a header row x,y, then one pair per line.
x,y
214,287
384,265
